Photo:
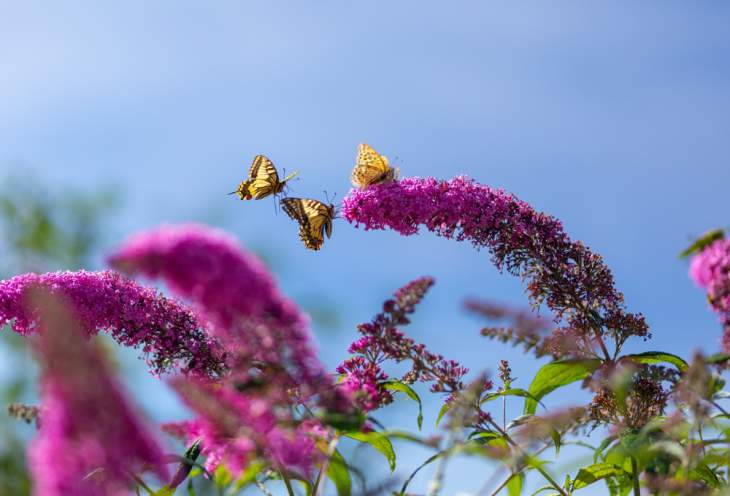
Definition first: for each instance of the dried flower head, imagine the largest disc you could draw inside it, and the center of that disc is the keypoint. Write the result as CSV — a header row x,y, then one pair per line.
x,y
26,413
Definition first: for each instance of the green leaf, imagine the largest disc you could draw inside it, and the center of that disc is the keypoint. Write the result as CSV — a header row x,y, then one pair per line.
x,y
191,488
339,474
344,422
249,475
557,440
222,477
407,436
543,489
442,412
165,491
588,475
405,388
718,358
557,374
705,473
511,392
602,447
700,243
514,486
379,442
653,357
484,436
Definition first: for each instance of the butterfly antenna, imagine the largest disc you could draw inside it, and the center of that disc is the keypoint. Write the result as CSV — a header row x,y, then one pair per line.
x,y
327,197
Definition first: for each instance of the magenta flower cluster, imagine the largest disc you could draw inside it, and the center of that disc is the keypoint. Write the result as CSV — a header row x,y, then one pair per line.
x,y
271,361
565,275
235,428
232,290
382,340
710,270
136,316
90,437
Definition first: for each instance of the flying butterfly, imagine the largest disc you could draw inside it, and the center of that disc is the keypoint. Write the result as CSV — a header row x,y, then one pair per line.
x,y
314,218
263,180
371,168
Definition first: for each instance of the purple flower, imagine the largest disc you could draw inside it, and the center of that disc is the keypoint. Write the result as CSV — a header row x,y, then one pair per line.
x,y
236,429
565,275
272,363
90,439
712,265
710,270
233,290
135,316
381,340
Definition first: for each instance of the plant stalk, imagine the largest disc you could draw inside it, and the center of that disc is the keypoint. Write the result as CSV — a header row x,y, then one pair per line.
x,y
542,471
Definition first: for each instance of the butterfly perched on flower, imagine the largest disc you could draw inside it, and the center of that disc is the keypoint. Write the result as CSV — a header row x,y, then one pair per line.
x,y
314,218
371,168
263,180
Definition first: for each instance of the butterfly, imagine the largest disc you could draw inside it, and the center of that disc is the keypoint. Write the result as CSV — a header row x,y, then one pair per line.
x,y
263,180
314,218
371,168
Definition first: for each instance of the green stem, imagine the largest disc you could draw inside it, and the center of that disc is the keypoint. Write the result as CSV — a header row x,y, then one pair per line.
x,y
140,483
635,469
438,479
515,473
325,466
542,471
289,489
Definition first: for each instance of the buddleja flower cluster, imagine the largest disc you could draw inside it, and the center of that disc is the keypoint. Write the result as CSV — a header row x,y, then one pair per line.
x,y
240,355
571,280
233,292
710,269
382,340
91,438
243,352
168,332
272,364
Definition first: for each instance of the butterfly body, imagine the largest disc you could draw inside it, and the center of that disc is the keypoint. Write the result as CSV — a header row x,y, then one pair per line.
x,y
314,218
263,180
371,168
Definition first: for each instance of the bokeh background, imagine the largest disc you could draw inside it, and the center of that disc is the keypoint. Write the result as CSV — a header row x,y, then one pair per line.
x,y
613,117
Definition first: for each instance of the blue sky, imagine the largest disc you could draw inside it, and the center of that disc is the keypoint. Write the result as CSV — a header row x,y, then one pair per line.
x,y
612,117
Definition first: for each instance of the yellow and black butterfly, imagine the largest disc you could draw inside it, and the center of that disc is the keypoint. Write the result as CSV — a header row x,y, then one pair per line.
x,y
314,218
263,180
371,168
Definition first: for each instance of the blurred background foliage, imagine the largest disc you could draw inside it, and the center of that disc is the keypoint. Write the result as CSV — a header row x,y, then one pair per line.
x,y
41,229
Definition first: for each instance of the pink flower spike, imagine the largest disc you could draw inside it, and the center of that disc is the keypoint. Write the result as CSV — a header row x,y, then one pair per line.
x,y
168,332
561,273
90,438
710,270
231,289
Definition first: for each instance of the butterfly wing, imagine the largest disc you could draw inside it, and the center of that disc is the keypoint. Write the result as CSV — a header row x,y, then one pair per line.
x,y
243,191
263,177
314,218
370,168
